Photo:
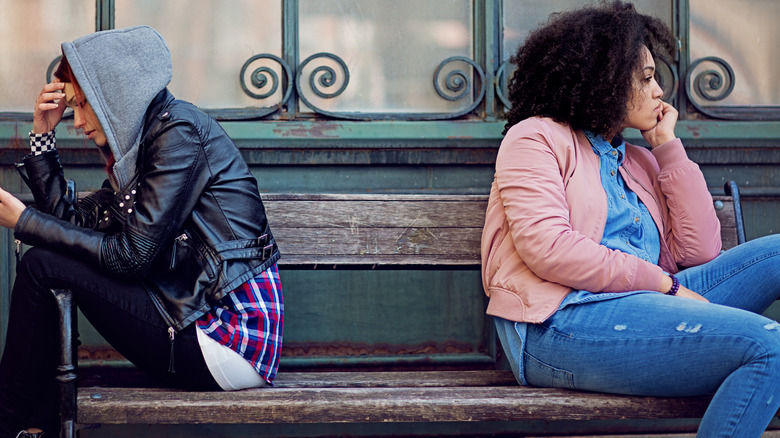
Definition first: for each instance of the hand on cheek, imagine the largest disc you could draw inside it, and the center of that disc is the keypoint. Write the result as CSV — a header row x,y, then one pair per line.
x,y
663,131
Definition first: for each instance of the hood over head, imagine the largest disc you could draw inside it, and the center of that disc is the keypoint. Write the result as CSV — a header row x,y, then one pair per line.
x,y
121,71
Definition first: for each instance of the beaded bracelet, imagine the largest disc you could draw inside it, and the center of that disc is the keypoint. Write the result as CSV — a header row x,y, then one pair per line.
x,y
675,285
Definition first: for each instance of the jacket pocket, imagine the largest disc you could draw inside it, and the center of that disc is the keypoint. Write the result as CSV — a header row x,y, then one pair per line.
x,y
184,250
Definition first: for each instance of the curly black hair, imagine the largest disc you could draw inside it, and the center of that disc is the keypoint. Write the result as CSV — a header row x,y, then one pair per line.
x,y
578,68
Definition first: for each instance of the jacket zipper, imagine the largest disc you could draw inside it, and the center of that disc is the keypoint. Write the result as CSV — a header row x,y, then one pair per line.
x,y
176,241
171,337
169,321
18,250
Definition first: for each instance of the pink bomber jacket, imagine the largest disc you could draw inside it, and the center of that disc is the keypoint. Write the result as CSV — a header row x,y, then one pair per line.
x,y
547,211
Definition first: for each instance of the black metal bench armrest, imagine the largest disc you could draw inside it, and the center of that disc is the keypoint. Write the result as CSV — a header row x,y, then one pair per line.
x,y
732,190
66,371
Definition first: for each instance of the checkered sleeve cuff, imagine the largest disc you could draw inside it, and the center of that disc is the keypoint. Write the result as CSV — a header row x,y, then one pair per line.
x,y
40,143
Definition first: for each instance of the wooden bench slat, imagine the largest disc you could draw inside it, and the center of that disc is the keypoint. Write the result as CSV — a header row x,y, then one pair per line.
x,y
396,229
369,405
377,213
379,242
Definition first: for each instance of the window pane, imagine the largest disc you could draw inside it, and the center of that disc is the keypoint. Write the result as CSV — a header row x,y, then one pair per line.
x,y
391,50
210,40
523,16
744,34
30,38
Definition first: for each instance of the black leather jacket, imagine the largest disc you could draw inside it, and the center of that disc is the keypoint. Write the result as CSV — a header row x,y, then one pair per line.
x,y
191,226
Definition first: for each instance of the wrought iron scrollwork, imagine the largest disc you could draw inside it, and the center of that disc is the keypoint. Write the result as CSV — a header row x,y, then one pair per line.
x,y
451,84
456,81
263,82
667,77
715,83
323,77
711,84
52,66
502,81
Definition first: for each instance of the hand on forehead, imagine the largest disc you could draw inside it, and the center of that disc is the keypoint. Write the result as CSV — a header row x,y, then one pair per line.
x,y
72,96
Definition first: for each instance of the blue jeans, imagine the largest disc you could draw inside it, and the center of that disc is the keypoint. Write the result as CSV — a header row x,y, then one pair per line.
x,y
652,344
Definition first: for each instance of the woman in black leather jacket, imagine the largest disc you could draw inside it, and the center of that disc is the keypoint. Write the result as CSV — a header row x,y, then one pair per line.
x,y
172,261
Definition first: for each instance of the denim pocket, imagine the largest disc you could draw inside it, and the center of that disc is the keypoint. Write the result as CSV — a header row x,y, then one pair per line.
x,y
538,373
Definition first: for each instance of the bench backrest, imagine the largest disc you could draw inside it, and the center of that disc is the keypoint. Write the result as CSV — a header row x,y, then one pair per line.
x,y
398,230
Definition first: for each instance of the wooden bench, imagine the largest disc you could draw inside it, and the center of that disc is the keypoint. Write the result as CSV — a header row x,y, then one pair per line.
x,y
372,232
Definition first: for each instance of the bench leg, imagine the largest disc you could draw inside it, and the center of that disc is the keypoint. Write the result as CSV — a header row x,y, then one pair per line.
x,y
66,371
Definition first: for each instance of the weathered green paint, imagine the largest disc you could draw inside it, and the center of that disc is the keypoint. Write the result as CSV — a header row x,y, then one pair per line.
x,y
385,312
487,40
406,134
290,45
104,14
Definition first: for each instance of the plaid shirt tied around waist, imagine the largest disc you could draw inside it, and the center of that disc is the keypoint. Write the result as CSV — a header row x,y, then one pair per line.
x,y
249,321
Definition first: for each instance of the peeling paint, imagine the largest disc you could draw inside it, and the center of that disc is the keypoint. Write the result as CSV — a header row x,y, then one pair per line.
x,y
309,130
620,327
682,326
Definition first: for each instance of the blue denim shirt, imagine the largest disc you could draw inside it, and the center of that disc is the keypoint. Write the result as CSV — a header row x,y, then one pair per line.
x,y
629,228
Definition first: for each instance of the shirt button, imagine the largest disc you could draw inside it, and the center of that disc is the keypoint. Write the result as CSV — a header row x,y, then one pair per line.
x,y
614,152
622,196
612,173
121,204
636,219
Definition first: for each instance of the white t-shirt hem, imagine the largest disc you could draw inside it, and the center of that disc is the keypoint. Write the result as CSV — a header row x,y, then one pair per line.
x,y
229,369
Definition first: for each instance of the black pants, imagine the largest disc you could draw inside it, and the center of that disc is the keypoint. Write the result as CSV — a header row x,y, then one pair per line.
x,y
122,313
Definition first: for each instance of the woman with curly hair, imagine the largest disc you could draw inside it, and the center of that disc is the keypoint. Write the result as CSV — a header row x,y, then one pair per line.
x,y
602,259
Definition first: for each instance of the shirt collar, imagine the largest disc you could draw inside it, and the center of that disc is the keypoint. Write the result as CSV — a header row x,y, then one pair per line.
x,y
601,146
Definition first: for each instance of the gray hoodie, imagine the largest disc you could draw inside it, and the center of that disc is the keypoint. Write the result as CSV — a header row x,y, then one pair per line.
x,y
121,71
